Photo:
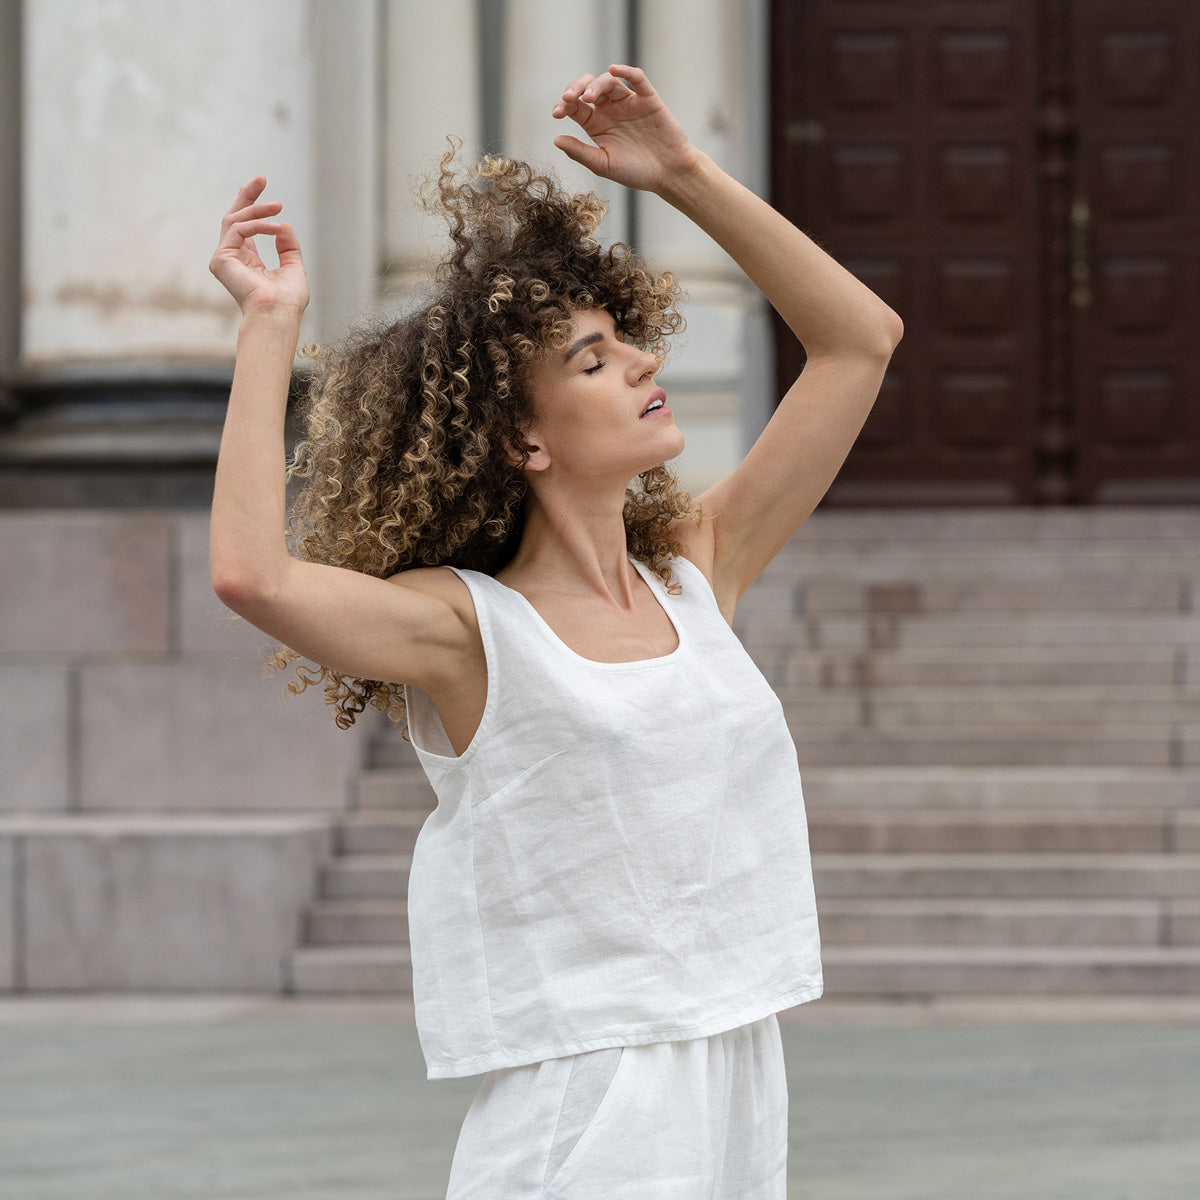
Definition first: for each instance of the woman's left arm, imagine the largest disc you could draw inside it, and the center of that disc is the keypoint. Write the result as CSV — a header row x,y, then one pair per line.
x,y
640,144
848,332
828,309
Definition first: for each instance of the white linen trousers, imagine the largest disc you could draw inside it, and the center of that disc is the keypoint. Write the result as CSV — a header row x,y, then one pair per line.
x,y
699,1119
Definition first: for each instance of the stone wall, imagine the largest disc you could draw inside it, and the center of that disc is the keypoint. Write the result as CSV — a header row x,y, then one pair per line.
x,y
164,807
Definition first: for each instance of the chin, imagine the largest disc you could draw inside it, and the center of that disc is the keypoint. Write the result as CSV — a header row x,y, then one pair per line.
x,y
664,458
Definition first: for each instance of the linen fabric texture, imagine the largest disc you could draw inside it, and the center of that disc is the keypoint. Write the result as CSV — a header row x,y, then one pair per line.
x,y
619,857
702,1119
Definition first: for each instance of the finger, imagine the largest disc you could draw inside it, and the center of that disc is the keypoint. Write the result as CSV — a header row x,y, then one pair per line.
x,y
572,90
247,229
251,210
575,109
591,157
287,245
635,77
248,191
604,87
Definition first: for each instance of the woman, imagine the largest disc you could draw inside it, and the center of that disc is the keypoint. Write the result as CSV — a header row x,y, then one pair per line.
x,y
613,897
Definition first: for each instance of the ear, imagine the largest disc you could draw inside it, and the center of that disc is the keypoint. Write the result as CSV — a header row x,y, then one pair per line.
x,y
513,456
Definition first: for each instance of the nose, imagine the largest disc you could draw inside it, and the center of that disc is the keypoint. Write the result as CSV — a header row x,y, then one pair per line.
x,y
650,364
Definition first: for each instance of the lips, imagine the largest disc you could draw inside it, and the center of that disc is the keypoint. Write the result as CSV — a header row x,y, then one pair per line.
x,y
657,394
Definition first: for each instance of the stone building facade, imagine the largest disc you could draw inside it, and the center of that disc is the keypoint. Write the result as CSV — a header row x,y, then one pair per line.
x,y
164,808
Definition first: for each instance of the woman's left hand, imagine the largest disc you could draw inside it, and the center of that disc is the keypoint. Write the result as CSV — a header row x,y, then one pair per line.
x,y
638,142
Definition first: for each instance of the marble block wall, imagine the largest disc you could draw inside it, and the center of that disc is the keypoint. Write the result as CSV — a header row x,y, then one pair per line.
x,y
156,903
126,685
164,807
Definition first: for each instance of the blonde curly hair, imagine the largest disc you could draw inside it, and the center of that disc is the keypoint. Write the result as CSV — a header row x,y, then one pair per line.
x,y
406,421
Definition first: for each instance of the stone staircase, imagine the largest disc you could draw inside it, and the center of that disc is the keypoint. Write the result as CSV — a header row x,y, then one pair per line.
x,y
997,720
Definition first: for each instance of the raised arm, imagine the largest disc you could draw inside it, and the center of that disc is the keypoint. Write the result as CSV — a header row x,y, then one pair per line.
x,y
825,306
247,550
409,628
848,332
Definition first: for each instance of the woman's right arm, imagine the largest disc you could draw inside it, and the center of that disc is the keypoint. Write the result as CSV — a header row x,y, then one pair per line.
x,y
412,627
247,550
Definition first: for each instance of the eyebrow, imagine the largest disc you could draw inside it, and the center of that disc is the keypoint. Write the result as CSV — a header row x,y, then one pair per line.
x,y
587,340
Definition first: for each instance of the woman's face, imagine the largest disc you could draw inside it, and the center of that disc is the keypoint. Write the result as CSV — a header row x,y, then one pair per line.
x,y
588,404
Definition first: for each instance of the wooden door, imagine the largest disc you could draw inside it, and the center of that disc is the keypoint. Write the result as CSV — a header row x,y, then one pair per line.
x,y
1018,179
1136,249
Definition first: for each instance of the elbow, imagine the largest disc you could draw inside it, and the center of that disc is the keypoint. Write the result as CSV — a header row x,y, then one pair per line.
x,y
241,580
894,332
230,590
881,340
239,592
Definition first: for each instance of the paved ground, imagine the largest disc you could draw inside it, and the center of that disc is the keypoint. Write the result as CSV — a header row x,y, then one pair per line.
x,y
246,1098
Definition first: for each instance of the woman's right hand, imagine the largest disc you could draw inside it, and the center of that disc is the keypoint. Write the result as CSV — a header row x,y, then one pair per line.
x,y
236,264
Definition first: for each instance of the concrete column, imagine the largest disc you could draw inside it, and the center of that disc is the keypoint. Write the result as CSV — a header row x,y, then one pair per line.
x,y
548,44
715,377
159,112
10,192
431,88
139,121
345,241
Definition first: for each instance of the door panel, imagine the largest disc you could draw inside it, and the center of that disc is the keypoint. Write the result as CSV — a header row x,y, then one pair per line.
x,y
902,142
1138,280
1020,180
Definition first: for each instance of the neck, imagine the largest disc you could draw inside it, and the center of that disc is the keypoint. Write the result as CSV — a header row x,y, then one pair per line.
x,y
575,546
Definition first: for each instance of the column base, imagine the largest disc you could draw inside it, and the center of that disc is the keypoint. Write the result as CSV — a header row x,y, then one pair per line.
x,y
114,435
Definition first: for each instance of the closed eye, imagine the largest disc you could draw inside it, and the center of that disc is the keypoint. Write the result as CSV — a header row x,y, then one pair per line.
x,y
593,370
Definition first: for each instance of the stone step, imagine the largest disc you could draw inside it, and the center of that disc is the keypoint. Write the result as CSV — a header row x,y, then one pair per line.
x,y
898,707
1109,743
1097,875
977,747
895,971
881,922
997,922
887,631
363,876
1011,875
891,829
1084,788
943,830
898,592
874,558
387,789
929,971
356,922
895,706
1011,744
401,784
886,922
978,666
983,523
383,831
350,971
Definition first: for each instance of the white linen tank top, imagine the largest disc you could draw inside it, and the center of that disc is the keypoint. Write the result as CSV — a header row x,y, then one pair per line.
x,y
620,856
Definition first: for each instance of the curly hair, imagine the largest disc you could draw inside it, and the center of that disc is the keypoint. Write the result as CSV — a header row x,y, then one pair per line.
x,y
406,420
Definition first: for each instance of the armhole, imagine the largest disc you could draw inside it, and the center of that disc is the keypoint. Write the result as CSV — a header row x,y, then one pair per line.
x,y
698,576
425,726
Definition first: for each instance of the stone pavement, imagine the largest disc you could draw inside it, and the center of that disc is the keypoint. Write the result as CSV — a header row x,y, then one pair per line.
x,y
274,1098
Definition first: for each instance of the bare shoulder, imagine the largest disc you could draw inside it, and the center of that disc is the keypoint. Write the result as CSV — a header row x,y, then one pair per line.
x,y
458,628
695,534
441,583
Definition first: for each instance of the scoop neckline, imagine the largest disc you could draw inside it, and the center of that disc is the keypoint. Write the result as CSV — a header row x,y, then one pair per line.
x,y
657,590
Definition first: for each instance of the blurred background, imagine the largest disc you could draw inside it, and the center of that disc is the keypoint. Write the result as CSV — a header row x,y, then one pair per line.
x,y
986,638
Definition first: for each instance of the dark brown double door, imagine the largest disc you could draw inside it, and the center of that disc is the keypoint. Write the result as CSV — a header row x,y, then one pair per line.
x,y
1020,180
